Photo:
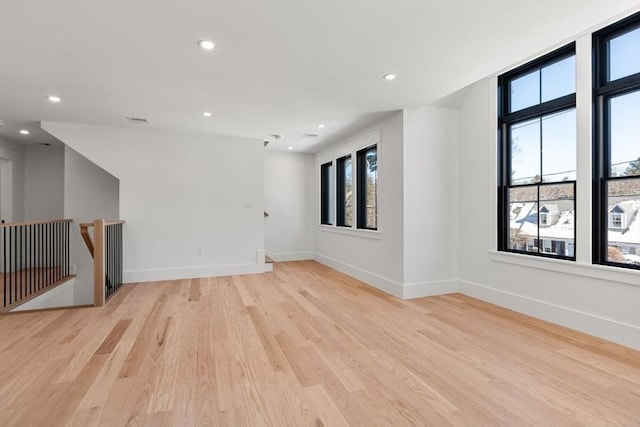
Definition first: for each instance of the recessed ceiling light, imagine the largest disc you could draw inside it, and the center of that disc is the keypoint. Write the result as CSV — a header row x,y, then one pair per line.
x,y
390,76
54,98
24,132
206,44
320,126
290,148
206,114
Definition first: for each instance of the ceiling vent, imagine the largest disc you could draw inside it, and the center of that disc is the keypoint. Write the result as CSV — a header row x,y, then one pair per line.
x,y
310,135
138,120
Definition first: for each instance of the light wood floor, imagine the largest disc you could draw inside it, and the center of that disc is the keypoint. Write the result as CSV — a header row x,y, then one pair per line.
x,y
305,346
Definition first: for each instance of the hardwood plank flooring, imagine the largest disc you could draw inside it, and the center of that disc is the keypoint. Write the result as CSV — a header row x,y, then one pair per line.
x,y
305,346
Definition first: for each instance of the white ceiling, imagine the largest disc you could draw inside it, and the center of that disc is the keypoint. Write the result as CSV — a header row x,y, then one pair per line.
x,y
279,67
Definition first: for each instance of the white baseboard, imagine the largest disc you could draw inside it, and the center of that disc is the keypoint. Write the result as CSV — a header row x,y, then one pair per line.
x,y
154,275
428,289
290,256
611,330
382,283
408,291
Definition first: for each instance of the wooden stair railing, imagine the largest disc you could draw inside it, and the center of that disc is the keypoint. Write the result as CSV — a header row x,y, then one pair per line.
x,y
106,250
34,258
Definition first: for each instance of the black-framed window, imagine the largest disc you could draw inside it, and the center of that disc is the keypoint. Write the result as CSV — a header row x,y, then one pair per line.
x,y
616,192
537,157
326,193
367,188
344,192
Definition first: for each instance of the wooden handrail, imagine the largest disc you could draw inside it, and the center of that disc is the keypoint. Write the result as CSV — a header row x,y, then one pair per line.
x,y
90,224
19,224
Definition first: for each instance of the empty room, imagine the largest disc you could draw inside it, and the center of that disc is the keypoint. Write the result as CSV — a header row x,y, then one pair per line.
x,y
320,213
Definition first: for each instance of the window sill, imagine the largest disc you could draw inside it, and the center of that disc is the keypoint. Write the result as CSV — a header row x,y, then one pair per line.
x,y
357,232
603,272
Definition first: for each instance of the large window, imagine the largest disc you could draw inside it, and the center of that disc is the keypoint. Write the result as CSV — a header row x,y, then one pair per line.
x,y
326,193
344,192
537,186
368,188
616,231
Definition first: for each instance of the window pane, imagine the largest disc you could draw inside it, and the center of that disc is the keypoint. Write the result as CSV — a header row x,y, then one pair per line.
x,y
524,91
624,113
331,195
348,193
371,195
326,193
559,79
525,152
523,218
345,192
559,146
623,231
624,55
557,233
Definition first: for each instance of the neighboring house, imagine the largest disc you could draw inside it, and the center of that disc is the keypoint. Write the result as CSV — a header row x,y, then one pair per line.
x,y
624,228
557,221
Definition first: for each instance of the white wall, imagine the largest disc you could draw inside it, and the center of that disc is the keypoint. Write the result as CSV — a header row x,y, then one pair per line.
x,y
376,258
180,192
60,296
44,183
90,193
14,152
597,300
289,200
430,171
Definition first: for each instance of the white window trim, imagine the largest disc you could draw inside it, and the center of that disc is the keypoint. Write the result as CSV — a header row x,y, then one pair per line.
x,y
594,271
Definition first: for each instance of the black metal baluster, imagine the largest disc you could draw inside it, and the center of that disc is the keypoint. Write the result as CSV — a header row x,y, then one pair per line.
x,y
4,264
13,255
29,257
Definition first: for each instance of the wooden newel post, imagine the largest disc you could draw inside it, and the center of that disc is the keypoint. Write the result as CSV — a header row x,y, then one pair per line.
x,y
98,262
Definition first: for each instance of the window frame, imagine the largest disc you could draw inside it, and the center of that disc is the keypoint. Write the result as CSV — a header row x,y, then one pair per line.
x,y
326,169
544,218
616,217
505,121
603,91
361,192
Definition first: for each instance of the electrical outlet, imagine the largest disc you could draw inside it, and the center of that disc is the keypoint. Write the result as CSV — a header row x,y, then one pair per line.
x,y
200,251
248,206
